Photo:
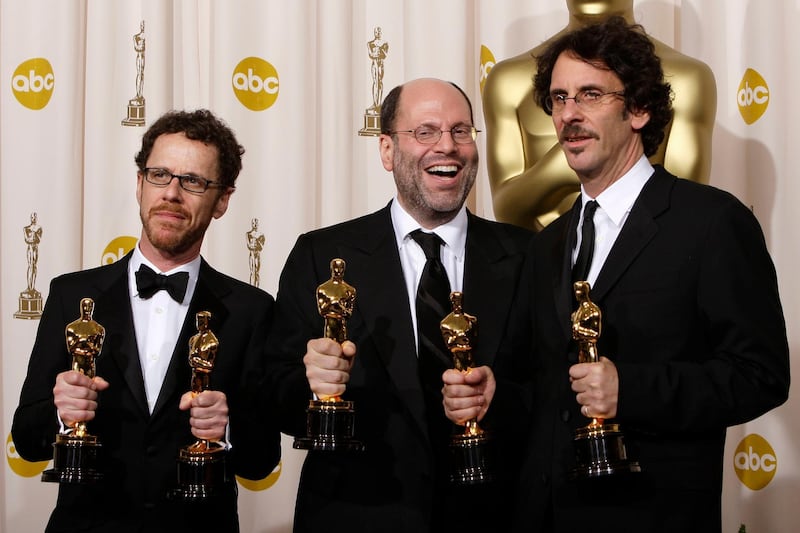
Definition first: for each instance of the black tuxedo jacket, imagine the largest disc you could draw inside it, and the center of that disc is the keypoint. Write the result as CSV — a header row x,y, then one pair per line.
x,y
140,448
395,484
692,320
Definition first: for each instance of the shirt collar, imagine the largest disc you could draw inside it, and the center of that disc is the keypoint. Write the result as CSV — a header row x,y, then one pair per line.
x,y
618,198
453,233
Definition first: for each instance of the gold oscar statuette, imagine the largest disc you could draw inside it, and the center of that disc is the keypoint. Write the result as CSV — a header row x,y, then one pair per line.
x,y
599,447
469,449
202,465
30,300
330,422
76,453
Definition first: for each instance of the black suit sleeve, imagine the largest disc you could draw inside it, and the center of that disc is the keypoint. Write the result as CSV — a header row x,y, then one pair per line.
x,y
735,364
296,321
35,419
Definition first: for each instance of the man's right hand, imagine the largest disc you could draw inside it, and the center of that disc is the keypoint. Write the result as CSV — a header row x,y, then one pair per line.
x,y
328,366
75,396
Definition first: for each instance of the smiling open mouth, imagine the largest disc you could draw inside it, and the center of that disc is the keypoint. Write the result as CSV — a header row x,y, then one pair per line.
x,y
445,171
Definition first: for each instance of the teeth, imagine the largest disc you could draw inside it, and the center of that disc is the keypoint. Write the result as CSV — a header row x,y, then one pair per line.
x,y
443,168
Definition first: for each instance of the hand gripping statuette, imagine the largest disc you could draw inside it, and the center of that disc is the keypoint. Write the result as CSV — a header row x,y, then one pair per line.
x,y
599,447
202,466
330,422
76,453
470,455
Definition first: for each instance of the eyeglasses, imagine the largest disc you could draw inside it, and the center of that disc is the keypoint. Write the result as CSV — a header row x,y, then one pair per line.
x,y
586,99
429,135
161,177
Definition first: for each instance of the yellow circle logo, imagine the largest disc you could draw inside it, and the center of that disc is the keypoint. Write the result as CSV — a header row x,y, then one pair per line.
x,y
261,484
255,83
755,462
33,83
752,96
117,248
20,466
487,64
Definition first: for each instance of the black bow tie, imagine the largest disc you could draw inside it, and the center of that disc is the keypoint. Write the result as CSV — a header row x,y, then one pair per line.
x,y
148,283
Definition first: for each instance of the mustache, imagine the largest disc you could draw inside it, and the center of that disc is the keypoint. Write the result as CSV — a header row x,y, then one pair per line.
x,y
173,208
574,130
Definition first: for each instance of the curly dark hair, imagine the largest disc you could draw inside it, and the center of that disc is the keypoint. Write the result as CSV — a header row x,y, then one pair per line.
x,y
626,50
199,125
390,104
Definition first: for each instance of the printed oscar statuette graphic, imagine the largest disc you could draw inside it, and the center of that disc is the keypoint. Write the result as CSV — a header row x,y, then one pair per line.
x,y
330,422
470,449
599,447
136,109
377,49
202,465
76,452
30,300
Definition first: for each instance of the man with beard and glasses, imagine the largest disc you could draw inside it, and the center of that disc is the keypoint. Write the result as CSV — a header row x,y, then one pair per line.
x,y
139,405
400,481
693,336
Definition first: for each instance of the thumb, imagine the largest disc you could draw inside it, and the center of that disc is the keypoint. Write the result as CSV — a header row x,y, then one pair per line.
x,y
99,383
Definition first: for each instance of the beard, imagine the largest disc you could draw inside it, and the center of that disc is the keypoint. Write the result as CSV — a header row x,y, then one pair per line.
x,y
169,238
424,204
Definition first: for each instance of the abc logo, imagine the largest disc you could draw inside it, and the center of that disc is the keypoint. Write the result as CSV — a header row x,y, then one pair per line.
x,y
20,466
255,83
261,484
753,96
33,83
754,462
487,64
117,248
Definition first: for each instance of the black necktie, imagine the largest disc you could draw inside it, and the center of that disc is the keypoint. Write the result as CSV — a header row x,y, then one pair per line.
x,y
149,282
432,304
584,261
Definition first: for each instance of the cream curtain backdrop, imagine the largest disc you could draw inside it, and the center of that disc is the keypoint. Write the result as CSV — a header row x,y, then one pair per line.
x,y
293,78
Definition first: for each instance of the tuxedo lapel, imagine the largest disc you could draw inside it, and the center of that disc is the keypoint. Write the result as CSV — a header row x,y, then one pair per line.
x,y
207,297
639,229
113,311
561,254
383,307
490,276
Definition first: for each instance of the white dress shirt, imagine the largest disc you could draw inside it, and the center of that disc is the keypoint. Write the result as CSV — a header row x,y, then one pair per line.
x,y
412,258
157,322
614,206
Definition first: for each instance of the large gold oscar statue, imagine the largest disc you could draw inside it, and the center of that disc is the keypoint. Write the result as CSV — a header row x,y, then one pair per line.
x,y
530,180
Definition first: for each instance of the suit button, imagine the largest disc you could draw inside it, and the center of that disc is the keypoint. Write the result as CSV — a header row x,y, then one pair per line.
x,y
545,479
151,450
565,415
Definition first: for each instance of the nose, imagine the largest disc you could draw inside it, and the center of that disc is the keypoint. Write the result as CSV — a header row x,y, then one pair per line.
x,y
446,143
173,189
571,111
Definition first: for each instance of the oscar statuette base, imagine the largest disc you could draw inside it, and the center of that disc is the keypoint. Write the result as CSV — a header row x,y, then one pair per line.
x,y
600,451
202,471
30,305
329,427
75,460
372,124
136,112
470,457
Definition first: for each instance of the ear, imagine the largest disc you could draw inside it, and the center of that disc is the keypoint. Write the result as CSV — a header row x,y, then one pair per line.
x,y
222,203
386,148
639,118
